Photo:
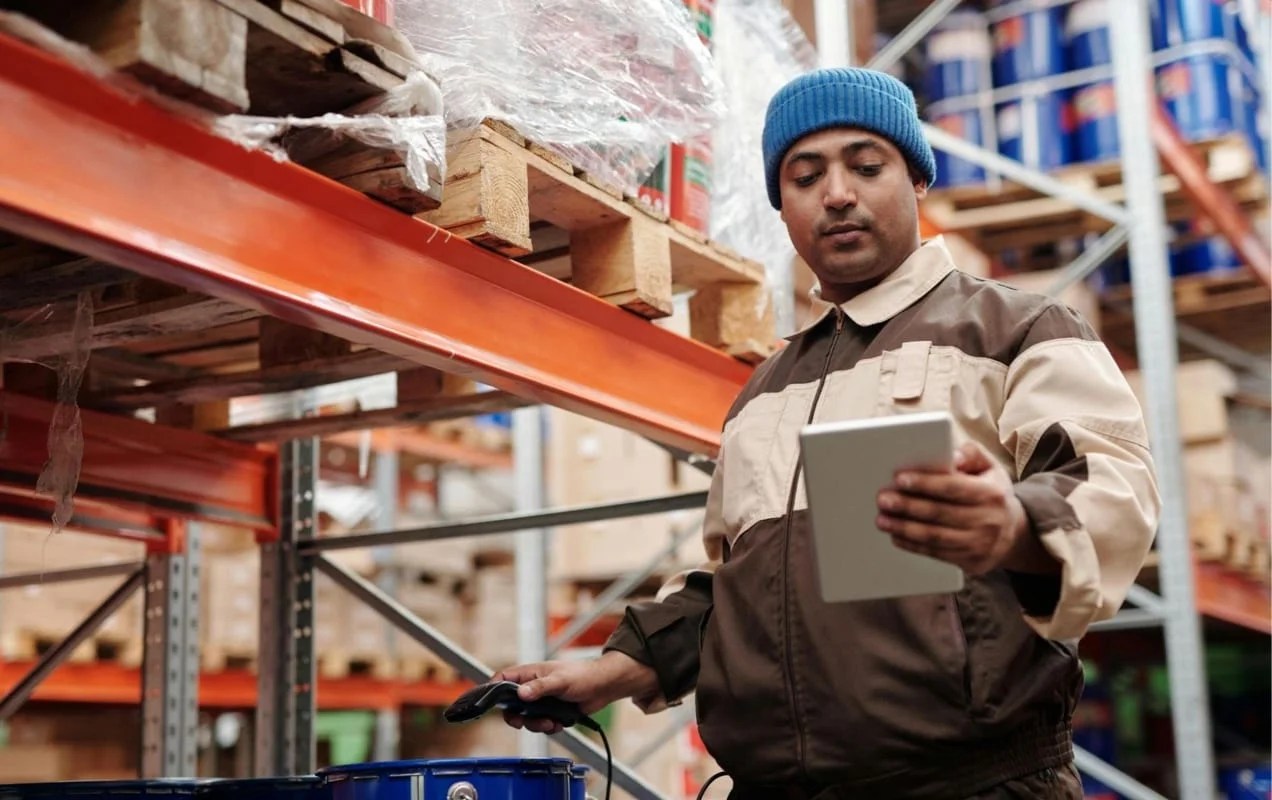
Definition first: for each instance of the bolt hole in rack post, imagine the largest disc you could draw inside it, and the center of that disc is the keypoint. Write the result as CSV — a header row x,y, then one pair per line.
x,y
239,289
184,328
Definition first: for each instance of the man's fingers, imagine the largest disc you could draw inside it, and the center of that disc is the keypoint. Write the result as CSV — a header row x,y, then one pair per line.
x,y
951,488
922,509
522,673
936,540
514,720
550,685
541,725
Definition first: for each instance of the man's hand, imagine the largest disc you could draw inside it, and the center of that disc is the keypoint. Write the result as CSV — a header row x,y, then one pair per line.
x,y
592,684
970,517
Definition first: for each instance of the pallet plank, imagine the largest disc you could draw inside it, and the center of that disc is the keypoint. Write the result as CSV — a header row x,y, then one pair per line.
x,y
58,282
416,412
177,314
286,378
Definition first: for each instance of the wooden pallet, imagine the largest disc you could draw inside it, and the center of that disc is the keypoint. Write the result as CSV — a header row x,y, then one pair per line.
x,y
1234,307
273,58
223,658
424,666
27,643
1012,217
519,199
336,664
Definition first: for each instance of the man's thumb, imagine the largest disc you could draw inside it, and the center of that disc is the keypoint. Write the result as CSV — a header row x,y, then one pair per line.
x,y
972,459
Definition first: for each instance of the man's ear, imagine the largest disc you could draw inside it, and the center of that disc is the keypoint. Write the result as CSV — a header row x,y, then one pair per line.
x,y
920,189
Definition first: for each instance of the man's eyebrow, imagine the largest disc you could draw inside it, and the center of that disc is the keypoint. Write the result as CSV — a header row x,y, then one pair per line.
x,y
804,155
856,147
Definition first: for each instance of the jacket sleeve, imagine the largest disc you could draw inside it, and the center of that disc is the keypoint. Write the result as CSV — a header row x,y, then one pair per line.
x,y
1085,475
664,633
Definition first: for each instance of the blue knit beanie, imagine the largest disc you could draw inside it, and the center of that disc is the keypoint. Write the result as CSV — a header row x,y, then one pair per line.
x,y
843,97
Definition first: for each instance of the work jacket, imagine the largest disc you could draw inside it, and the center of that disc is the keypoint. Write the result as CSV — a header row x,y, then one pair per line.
x,y
927,696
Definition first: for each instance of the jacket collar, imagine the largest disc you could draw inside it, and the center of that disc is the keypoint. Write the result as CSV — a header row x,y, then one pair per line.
x,y
905,286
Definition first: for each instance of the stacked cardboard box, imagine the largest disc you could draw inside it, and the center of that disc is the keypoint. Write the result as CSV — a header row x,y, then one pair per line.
x,y
591,462
1227,470
35,616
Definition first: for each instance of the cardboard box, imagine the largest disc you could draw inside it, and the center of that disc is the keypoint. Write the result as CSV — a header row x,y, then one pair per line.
x,y
1202,389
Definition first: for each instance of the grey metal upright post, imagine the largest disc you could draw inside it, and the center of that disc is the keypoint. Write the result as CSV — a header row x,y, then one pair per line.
x,y
285,743
170,668
388,721
531,553
1158,357
833,22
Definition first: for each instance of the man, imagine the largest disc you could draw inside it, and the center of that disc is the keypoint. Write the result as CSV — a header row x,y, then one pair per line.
x,y
1050,510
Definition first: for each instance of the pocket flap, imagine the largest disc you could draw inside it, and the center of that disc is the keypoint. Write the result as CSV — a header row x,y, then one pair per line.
x,y
912,368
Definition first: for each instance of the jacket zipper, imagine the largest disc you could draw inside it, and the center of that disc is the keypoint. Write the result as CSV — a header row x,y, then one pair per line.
x,y
796,714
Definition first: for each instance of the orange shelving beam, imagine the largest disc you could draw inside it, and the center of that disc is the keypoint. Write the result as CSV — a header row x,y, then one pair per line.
x,y
89,168
102,682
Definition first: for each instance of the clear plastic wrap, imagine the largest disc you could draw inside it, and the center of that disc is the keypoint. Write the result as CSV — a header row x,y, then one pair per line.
x,y
394,123
758,48
606,83
72,319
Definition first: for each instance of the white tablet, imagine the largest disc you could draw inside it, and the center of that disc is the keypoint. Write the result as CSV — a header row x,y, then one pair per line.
x,y
845,465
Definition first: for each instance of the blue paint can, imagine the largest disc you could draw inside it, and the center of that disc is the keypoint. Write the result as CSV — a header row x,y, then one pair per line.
x,y
1029,46
1185,21
578,782
1198,93
472,779
1094,106
1037,130
967,125
102,790
1246,783
958,65
309,787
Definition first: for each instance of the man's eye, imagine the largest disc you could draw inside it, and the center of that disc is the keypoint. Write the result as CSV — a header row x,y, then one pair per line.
x,y
870,170
806,180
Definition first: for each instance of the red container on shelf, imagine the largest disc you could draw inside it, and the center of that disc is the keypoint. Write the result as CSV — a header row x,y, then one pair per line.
x,y
378,9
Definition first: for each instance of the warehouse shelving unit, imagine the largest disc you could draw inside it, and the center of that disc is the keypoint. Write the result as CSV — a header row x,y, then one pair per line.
x,y
276,238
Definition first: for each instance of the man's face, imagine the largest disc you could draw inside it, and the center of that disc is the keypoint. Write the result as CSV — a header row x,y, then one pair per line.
x,y
851,208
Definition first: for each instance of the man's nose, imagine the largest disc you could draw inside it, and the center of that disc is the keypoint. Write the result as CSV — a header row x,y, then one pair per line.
x,y
840,192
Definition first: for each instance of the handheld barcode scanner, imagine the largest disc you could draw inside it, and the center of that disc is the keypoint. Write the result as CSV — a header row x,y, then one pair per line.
x,y
475,702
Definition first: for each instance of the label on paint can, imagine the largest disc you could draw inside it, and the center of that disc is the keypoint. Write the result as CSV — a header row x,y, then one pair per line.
x,y
691,182
1174,81
381,10
1097,101
1009,121
1009,34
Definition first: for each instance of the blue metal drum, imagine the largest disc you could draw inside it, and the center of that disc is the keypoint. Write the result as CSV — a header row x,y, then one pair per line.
x,y
1037,130
453,779
309,787
1086,33
1212,254
1198,93
1029,46
102,790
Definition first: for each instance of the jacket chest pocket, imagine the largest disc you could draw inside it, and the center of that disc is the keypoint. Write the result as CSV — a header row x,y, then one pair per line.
x,y
914,377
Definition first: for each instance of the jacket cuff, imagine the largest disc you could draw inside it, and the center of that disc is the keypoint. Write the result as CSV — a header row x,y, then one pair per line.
x,y
1047,511
665,638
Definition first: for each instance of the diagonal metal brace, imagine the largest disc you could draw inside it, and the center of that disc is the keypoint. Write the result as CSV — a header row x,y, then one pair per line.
x,y
59,653
472,669
17,580
617,591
